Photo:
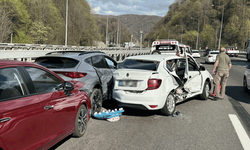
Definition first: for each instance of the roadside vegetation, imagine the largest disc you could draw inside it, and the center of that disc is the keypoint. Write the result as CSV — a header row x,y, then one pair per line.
x,y
189,16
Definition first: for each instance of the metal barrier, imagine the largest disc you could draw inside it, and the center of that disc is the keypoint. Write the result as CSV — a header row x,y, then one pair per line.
x,y
27,52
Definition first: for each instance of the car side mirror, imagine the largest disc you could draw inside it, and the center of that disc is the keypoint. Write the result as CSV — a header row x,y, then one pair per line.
x,y
248,66
202,68
68,87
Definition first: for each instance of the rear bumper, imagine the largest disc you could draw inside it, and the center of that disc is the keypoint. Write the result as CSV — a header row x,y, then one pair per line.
x,y
140,100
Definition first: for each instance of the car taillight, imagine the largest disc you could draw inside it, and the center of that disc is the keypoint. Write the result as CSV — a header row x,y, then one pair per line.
x,y
178,53
72,74
153,84
210,56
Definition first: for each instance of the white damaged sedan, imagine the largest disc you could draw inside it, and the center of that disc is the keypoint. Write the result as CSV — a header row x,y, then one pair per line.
x,y
158,82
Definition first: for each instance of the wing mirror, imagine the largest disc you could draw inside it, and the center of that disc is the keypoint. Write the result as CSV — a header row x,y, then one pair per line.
x,y
202,68
68,87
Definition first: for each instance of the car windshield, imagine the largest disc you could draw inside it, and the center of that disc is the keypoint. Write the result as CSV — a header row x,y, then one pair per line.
x,y
57,62
195,51
139,64
214,52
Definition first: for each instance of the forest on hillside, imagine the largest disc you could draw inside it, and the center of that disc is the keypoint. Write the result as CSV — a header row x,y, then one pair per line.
x,y
43,22
186,17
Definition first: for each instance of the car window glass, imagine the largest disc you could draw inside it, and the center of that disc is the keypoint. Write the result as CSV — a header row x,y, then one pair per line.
x,y
166,47
88,60
99,62
171,64
140,64
11,84
192,65
44,81
57,62
110,63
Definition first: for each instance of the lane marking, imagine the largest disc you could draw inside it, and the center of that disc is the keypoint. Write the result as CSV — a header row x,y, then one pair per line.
x,y
244,139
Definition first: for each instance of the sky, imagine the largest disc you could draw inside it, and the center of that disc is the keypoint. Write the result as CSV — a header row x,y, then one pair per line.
x,y
138,7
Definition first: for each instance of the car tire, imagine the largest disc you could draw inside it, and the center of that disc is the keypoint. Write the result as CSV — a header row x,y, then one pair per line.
x,y
96,101
81,121
156,53
248,58
245,85
170,105
205,92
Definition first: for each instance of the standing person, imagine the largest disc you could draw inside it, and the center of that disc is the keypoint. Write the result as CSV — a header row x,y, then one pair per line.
x,y
221,69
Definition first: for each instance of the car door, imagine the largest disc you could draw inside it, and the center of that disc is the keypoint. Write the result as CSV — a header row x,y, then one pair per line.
x,y
193,76
21,122
59,110
105,74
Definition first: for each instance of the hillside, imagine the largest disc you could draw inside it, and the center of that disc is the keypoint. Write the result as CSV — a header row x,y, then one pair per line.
x,y
186,17
135,23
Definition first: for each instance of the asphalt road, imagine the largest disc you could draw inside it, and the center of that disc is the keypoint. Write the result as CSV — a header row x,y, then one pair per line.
x,y
202,125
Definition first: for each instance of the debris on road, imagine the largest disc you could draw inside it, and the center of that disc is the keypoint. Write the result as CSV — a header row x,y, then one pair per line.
x,y
176,114
109,115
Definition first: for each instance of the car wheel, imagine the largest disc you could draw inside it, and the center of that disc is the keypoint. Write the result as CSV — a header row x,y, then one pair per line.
x,y
81,122
169,106
245,85
205,92
96,101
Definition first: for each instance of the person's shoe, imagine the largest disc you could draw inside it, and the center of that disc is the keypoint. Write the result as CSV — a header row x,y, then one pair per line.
x,y
216,98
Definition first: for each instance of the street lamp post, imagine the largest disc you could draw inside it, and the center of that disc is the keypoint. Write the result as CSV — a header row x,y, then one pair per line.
x,y
141,40
66,30
131,45
11,37
107,42
197,40
181,31
221,27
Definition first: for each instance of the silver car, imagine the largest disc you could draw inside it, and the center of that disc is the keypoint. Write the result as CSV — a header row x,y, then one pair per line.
x,y
94,68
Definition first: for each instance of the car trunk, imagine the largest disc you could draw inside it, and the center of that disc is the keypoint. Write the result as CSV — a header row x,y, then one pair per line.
x,y
133,79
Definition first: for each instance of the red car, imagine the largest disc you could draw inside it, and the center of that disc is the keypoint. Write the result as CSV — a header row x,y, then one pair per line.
x,y
38,108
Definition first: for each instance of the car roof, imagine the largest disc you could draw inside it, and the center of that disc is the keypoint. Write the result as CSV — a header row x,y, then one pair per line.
x,y
214,51
73,54
155,57
15,63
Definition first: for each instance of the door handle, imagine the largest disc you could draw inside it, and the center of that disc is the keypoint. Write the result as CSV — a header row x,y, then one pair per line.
x,y
49,107
5,119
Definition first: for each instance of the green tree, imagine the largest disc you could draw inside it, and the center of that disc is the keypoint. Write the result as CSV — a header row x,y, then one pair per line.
x,y
39,32
207,36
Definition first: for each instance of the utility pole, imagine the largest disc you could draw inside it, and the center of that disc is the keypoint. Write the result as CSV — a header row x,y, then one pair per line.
x,y
141,40
197,41
66,30
107,42
11,37
221,27
117,34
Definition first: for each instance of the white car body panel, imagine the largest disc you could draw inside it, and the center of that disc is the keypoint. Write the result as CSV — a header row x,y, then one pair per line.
x,y
211,58
141,96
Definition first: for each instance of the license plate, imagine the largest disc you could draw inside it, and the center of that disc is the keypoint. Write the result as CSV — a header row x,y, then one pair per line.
x,y
127,83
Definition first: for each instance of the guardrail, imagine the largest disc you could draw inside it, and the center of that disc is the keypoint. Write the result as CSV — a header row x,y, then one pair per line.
x,y
27,52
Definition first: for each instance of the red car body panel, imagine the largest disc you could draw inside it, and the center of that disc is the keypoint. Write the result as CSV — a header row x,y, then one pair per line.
x,y
29,125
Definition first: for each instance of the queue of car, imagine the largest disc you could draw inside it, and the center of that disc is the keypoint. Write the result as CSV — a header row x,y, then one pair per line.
x,y
56,96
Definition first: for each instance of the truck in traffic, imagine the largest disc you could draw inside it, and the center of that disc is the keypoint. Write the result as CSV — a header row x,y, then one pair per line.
x,y
169,46
232,51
